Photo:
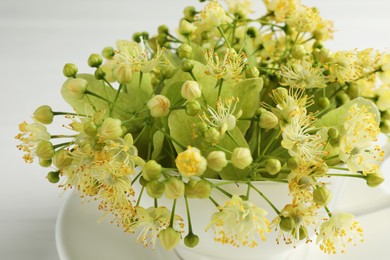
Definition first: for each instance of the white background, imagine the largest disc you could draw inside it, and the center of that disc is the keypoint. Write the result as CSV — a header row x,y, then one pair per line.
x,y
38,37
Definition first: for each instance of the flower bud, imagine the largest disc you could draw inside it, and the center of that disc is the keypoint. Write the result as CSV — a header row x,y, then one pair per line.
x,y
174,188
186,28
341,98
292,163
385,115
95,60
252,32
76,88
129,141
90,128
167,72
241,157
111,128
268,120
192,108
216,160
45,163
184,51
62,158
155,189
323,102
191,90
333,132
187,65
189,13
158,106
353,90
45,150
108,52
286,223
252,72
212,135
259,111
385,126
162,29
106,71
298,52
197,189
190,162
322,196
44,115
123,73
169,238
191,240
273,166
70,70
53,177
374,179
99,73
151,170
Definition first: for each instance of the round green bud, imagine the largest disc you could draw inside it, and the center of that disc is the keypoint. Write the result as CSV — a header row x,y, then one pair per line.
x,y
162,29
191,240
76,87
62,158
293,163
273,166
53,177
123,73
252,72
44,114
317,44
323,102
99,74
333,132
197,189
162,39
184,51
252,32
298,51
45,150
385,115
90,128
174,188
216,160
95,60
202,127
190,90
145,35
151,170
342,98
189,13
322,196
353,91
241,157
108,52
286,223
159,106
167,71
169,238
155,189
70,70
111,128
185,27
268,120
45,163
187,65
374,179
212,135
142,181
259,111
137,37
385,126
192,108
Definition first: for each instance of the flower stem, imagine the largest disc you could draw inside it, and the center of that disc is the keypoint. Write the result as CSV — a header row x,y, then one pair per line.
x,y
188,215
224,36
266,199
140,196
172,213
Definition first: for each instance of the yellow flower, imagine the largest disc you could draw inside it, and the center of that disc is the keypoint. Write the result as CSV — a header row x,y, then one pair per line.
x,y
324,30
31,135
240,7
281,8
238,222
191,162
212,16
304,19
339,230
344,66
231,67
158,106
356,149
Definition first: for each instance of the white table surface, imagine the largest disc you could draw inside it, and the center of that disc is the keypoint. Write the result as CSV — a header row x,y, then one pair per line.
x,y
38,37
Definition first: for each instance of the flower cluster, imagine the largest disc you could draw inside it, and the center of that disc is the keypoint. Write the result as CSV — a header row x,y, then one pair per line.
x,y
232,98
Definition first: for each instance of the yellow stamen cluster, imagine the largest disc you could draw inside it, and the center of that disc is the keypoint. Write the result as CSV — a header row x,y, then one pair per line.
x,y
191,162
230,67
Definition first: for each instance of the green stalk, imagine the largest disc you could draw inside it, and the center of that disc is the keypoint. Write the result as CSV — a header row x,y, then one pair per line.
x,y
266,199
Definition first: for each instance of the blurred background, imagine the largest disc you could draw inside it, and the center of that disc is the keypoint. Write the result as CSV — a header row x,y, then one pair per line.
x,y
38,37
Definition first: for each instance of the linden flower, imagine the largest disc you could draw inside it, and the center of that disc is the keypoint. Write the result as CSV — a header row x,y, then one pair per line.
x,y
223,118
281,8
191,162
241,7
304,19
298,140
344,66
230,67
360,131
212,16
31,135
238,222
137,55
339,230
301,74
324,30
